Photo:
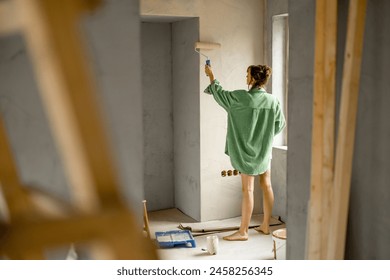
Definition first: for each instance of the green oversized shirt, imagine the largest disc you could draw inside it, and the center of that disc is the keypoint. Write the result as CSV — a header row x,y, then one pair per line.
x,y
254,118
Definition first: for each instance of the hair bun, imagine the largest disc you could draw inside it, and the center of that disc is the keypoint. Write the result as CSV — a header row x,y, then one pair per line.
x,y
260,73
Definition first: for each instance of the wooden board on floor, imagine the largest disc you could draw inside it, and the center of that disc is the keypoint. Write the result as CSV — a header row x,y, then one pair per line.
x,y
198,228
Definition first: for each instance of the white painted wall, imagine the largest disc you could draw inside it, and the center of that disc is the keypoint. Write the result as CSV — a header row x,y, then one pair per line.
x,y
240,32
158,116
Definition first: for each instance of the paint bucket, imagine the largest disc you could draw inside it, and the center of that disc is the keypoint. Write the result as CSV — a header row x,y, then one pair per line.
x,y
279,243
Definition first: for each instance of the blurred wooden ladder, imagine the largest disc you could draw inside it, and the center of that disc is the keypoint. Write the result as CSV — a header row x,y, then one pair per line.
x,y
98,217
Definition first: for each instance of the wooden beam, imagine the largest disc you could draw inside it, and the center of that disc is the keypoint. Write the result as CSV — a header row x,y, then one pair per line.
x,y
68,93
9,18
146,219
323,128
117,228
22,202
346,128
16,202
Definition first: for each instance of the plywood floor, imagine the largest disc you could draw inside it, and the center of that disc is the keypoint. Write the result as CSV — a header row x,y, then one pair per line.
x,y
258,247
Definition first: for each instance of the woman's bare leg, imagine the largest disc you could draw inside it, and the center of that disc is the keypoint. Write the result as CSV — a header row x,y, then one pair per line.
x,y
248,182
268,201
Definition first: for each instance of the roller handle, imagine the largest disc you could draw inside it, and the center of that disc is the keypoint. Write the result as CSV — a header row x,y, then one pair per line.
x,y
208,64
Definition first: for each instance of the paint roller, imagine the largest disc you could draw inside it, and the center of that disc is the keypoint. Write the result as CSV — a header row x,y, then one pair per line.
x,y
206,46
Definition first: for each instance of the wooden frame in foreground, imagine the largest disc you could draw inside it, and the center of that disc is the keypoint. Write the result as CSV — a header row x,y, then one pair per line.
x,y
330,196
100,219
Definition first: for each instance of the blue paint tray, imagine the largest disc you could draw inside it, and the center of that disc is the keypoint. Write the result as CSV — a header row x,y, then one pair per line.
x,y
169,239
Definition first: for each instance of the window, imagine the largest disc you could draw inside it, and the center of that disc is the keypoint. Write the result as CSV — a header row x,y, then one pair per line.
x,y
280,67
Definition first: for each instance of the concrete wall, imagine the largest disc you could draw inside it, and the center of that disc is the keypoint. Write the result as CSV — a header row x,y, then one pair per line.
x,y
185,65
112,35
157,114
300,102
279,181
242,45
171,113
368,224
33,146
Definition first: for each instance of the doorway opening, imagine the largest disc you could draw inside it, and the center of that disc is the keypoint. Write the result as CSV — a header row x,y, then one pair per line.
x,y
280,41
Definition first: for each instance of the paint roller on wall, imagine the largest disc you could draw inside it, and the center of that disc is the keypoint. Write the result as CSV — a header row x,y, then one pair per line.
x,y
206,46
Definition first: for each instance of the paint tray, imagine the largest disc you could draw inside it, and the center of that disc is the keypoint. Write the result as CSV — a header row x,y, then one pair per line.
x,y
169,239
